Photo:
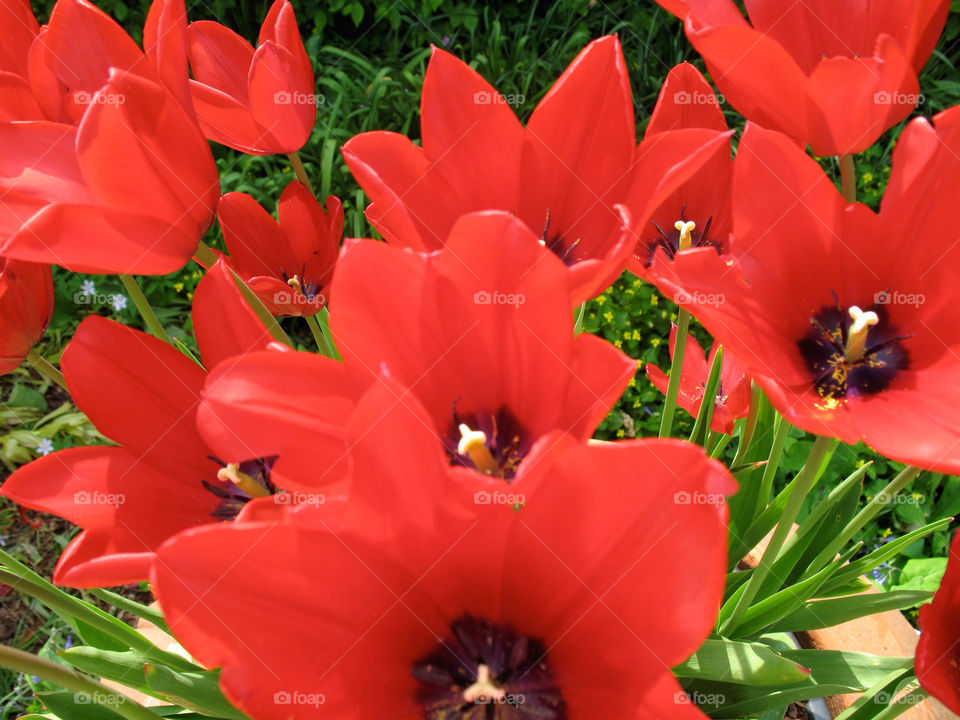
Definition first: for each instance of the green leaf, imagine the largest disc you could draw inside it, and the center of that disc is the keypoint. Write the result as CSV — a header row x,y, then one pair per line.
x,y
729,700
122,667
739,662
922,574
199,692
827,613
861,670
75,706
25,396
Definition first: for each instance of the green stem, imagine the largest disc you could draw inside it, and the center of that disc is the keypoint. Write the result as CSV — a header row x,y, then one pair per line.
x,y
780,435
676,365
143,307
45,368
322,345
299,170
848,177
578,322
746,435
804,481
205,255
91,690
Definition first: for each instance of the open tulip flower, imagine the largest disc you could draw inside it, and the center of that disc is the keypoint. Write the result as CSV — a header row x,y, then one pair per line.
x,y
486,348
844,326
832,74
733,390
257,101
26,304
687,102
938,652
131,189
143,394
288,264
563,174
545,611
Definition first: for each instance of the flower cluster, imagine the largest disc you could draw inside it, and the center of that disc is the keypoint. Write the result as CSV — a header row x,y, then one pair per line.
x,y
415,522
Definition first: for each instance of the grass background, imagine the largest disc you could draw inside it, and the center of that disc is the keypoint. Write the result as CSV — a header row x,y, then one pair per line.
x,y
369,59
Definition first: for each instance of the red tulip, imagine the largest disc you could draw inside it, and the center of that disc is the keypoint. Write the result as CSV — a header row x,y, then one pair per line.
x,y
26,304
17,98
686,102
421,597
75,53
257,101
289,265
832,74
733,392
563,174
132,189
842,319
142,394
938,651
486,347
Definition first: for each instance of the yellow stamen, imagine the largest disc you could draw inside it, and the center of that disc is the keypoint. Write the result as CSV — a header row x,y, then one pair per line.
x,y
231,473
294,282
484,687
857,334
686,227
473,443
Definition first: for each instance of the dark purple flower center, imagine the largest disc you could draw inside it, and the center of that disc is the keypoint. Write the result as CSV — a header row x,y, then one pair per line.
x,y
308,287
559,245
835,376
506,440
487,672
669,240
232,497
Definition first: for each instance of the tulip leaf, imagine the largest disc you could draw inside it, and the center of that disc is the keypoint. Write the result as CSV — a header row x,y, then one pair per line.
x,y
740,662
75,706
720,699
861,670
827,613
122,667
197,691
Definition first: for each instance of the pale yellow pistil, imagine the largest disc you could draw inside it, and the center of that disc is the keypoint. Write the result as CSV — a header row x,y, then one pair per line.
x,y
857,334
484,687
686,228
294,282
231,473
473,444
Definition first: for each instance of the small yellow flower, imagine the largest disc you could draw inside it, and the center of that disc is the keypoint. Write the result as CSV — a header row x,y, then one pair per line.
x,y
655,342
654,299
618,343
621,433
178,286
636,335
601,299
608,316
